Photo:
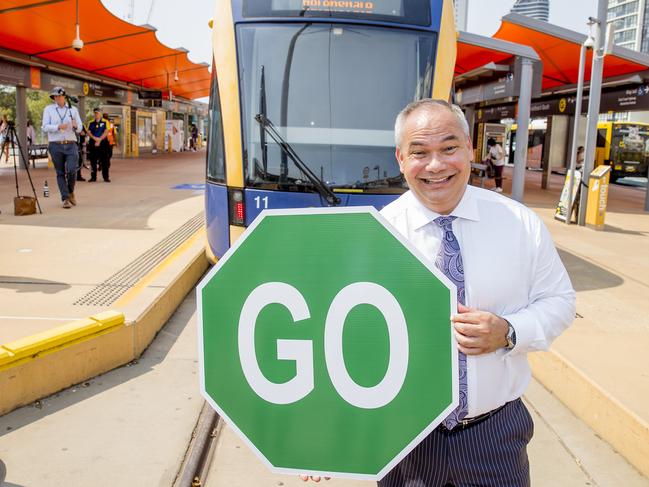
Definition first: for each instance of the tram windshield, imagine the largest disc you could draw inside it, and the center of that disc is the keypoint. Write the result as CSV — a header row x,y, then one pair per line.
x,y
332,91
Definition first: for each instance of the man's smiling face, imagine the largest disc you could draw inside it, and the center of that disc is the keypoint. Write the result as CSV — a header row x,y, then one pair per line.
x,y
435,157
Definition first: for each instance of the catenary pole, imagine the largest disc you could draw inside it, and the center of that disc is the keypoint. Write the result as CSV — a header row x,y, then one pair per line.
x,y
520,156
594,96
575,130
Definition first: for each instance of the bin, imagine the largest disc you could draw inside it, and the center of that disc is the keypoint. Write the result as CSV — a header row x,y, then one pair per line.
x,y
597,197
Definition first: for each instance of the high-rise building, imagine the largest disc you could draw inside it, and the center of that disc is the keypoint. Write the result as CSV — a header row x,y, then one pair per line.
x,y
461,14
630,19
537,9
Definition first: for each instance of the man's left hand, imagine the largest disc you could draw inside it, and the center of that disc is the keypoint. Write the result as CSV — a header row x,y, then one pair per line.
x,y
478,332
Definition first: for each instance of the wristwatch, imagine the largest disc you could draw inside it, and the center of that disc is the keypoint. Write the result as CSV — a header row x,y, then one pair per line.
x,y
511,336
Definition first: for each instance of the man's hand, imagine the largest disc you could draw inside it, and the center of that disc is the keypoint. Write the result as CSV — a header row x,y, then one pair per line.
x,y
63,126
315,478
478,332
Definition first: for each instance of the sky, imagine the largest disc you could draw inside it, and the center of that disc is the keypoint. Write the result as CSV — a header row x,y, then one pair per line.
x,y
184,23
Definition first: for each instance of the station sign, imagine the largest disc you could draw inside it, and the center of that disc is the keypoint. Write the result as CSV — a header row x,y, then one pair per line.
x,y
150,95
495,112
506,86
631,99
14,74
78,87
325,342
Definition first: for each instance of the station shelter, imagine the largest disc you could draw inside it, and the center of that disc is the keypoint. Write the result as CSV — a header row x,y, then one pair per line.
x,y
139,82
488,89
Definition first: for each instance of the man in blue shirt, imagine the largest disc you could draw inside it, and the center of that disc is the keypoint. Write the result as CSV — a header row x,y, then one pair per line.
x,y
61,122
98,146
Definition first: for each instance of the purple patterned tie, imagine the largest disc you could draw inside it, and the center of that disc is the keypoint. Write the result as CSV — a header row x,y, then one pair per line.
x,y
449,261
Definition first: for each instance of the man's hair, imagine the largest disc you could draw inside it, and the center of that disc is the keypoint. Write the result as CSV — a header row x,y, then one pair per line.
x,y
429,103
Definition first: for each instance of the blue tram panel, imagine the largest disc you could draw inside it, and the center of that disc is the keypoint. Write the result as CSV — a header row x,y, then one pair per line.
x,y
258,200
303,102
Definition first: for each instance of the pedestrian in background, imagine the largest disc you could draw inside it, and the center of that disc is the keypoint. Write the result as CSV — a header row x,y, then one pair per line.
x,y
111,141
497,158
81,146
580,157
61,123
194,139
4,134
31,133
98,146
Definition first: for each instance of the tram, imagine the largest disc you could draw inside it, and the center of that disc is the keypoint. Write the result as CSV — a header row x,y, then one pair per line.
x,y
303,100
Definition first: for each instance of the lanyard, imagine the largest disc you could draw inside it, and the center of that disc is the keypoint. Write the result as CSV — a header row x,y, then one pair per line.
x,y
65,113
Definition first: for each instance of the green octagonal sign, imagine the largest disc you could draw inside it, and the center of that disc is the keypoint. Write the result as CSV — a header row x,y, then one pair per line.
x,y
325,342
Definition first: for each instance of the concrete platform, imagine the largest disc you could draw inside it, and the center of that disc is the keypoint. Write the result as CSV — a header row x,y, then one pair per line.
x,y
51,260
125,428
131,249
599,366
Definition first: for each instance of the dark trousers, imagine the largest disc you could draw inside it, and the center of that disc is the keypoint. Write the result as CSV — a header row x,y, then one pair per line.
x,y
499,175
65,158
491,453
98,156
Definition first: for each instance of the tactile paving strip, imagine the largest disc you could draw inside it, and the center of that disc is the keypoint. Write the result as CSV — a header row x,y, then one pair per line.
x,y
109,291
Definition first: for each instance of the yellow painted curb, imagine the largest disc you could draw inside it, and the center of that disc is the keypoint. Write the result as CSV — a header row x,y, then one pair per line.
x,y
42,364
35,345
609,418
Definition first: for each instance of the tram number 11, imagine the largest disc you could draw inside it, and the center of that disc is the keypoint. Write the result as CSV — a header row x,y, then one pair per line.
x,y
261,201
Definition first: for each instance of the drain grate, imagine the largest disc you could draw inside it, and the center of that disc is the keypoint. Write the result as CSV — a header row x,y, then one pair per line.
x,y
112,288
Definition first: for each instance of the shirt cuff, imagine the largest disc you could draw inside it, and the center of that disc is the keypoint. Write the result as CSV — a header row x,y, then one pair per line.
x,y
525,335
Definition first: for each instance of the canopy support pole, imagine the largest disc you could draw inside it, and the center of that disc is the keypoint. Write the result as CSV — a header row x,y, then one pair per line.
x,y
21,120
524,102
594,96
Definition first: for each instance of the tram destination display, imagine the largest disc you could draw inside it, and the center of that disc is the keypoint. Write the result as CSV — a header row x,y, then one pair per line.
x,y
325,342
402,11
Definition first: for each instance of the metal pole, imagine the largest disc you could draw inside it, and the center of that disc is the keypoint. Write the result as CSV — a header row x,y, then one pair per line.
x,y
575,132
524,101
646,198
21,120
594,96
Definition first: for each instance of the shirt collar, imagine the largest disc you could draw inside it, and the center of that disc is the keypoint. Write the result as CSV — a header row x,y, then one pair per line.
x,y
466,209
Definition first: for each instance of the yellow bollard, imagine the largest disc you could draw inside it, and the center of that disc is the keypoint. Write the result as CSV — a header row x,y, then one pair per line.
x,y
597,197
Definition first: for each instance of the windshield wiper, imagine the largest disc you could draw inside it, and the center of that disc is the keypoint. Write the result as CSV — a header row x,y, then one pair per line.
x,y
262,110
324,190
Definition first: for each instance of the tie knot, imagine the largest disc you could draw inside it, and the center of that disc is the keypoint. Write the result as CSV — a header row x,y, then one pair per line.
x,y
445,221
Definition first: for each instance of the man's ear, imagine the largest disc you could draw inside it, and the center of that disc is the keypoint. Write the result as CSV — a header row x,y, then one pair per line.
x,y
399,155
469,144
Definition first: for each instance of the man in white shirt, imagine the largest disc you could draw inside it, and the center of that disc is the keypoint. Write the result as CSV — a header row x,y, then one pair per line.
x,y
514,297
61,123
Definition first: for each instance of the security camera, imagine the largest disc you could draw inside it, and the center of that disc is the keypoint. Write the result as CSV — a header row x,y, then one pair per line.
x,y
77,44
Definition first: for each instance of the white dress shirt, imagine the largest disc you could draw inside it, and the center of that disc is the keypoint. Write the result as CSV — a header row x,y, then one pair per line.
x,y
53,116
511,269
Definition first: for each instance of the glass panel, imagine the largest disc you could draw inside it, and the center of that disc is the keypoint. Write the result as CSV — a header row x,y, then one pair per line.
x,y
630,143
215,146
333,92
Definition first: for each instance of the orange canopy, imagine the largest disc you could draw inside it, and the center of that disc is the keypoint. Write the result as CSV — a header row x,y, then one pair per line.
x,y
44,30
475,51
559,48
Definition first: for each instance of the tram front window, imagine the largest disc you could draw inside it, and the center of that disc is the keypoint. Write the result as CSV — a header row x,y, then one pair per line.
x,y
332,91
